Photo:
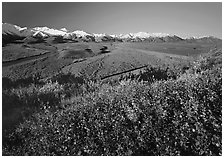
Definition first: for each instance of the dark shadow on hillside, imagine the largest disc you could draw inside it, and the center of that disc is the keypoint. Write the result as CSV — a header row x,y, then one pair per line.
x,y
7,83
104,50
8,38
151,74
67,78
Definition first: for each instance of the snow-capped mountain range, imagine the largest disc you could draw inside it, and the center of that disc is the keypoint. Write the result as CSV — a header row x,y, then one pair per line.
x,y
14,29
44,32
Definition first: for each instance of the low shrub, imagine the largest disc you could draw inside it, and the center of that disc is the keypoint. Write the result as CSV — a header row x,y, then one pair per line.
x,y
173,117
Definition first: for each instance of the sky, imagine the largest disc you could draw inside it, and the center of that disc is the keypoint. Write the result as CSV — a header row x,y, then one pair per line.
x,y
182,19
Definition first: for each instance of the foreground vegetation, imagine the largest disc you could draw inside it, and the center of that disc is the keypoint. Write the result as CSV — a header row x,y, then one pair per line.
x,y
157,112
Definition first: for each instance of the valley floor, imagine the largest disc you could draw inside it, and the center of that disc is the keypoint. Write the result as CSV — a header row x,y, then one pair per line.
x,y
25,60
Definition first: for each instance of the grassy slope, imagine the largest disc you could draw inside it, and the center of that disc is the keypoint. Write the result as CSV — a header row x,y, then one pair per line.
x,y
15,51
179,48
60,55
123,58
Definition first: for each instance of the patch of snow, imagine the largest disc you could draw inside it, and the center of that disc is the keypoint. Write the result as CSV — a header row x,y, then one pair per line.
x,y
64,29
141,35
50,31
80,33
114,36
40,34
99,35
130,35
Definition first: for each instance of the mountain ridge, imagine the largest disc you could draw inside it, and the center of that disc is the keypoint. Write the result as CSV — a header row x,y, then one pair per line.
x,y
10,30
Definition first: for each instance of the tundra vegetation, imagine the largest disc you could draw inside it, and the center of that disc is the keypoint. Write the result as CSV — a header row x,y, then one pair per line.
x,y
159,111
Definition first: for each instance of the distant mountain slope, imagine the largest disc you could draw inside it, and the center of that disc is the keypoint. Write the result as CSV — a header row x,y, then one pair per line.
x,y
205,39
12,33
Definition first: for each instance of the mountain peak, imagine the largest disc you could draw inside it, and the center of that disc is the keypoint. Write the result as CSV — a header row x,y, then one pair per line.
x,y
50,31
81,33
64,29
39,34
99,34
